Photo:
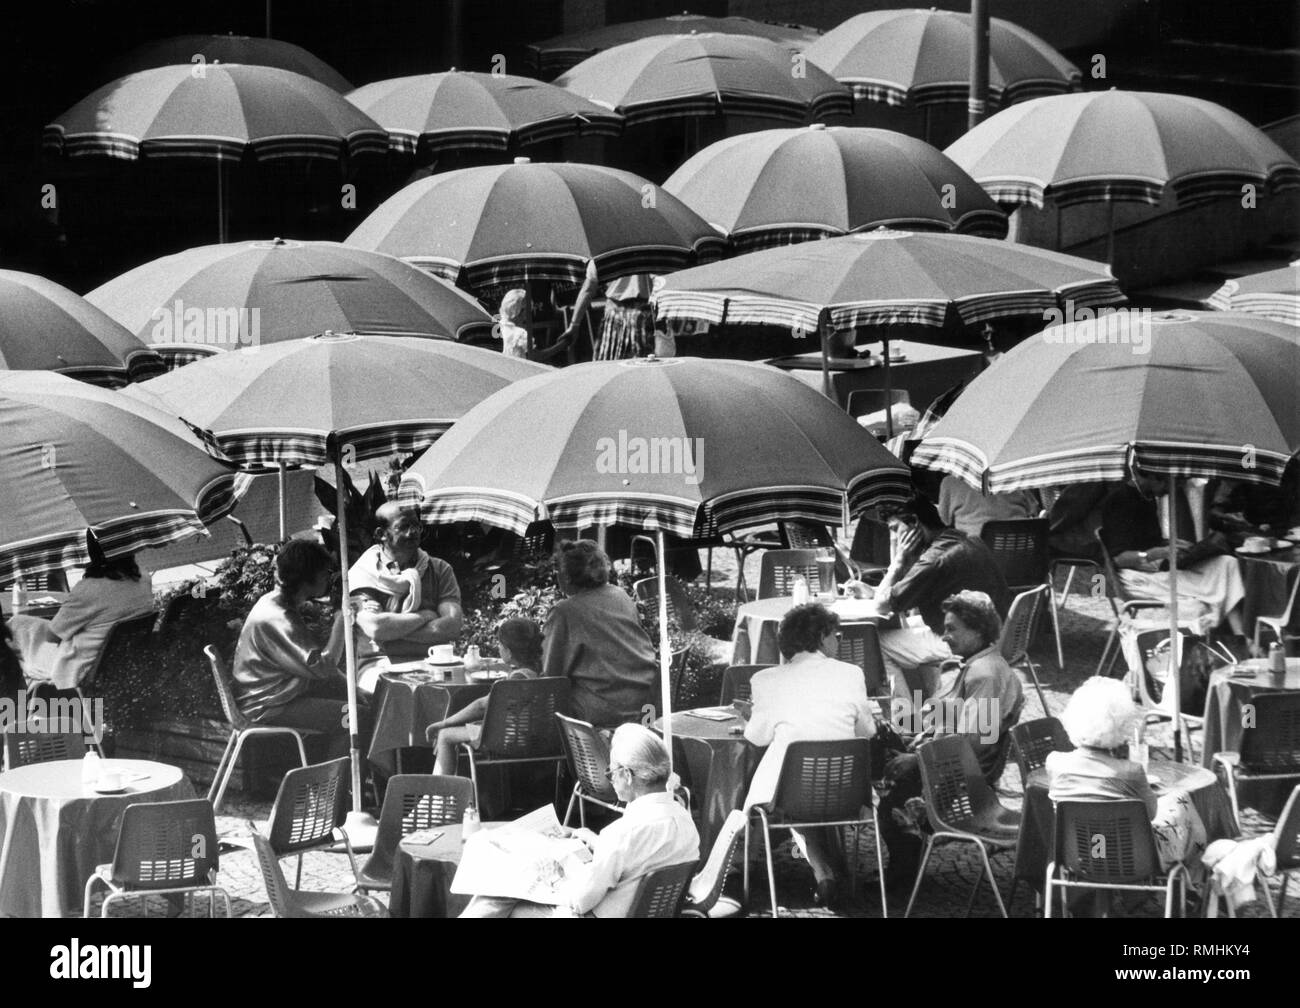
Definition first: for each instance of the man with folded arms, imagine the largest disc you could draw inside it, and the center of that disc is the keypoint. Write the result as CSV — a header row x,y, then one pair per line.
x,y
406,599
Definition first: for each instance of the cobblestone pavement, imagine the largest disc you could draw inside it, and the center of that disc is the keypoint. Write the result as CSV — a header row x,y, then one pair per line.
x,y
948,880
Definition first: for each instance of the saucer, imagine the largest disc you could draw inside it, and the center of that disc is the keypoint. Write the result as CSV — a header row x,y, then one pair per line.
x,y
111,791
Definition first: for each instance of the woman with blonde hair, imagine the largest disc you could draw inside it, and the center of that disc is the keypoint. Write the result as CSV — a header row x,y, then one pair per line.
x,y
1100,718
653,832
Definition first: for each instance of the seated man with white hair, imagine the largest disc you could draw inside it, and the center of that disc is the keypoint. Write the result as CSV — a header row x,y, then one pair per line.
x,y
653,832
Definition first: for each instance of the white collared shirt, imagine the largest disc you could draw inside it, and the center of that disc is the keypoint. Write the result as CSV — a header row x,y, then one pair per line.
x,y
653,832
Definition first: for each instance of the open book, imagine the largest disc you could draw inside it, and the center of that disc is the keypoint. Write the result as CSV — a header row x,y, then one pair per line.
x,y
529,859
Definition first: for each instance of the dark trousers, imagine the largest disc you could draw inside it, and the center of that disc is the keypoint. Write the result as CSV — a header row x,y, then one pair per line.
x,y
323,711
902,781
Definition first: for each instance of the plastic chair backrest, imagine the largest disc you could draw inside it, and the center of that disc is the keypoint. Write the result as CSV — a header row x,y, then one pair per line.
x,y
416,802
860,645
588,755
278,892
679,604
166,845
520,718
124,639
824,781
779,568
1286,834
707,885
661,892
37,744
805,535
225,692
1272,744
1031,741
308,806
1106,841
956,792
1021,623
1020,549
736,682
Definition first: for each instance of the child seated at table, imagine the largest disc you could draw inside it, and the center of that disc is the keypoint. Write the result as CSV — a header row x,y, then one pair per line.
x,y
519,642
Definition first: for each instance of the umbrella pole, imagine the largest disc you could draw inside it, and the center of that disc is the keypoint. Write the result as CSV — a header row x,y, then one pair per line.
x,y
1110,233
824,327
665,649
361,828
221,204
283,516
1175,636
889,392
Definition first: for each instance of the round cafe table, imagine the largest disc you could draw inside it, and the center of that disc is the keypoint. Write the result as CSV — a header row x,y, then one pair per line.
x,y
54,830
422,876
754,640
1033,849
411,696
1228,692
718,771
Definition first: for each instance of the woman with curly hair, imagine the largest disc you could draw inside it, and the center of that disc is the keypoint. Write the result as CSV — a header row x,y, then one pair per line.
x,y
1099,719
594,639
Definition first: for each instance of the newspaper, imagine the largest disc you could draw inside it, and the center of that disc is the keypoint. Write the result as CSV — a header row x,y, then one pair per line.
x,y
531,859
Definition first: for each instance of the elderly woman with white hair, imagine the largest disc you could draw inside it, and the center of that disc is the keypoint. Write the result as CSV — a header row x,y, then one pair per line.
x,y
1101,717
653,832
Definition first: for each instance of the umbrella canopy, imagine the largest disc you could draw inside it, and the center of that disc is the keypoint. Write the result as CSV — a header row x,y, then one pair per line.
x,y
672,76
46,327
223,297
563,51
885,277
1120,145
1175,394
682,445
79,458
923,57
300,402
455,111
219,112
512,223
183,49
782,186
1274,294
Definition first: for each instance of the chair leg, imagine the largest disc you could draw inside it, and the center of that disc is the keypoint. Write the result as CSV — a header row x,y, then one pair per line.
x,y
745,860
568,812
1069,579
1056,631
230,772
297,882
473,776
1112,641
993,882
1232,796
221,764
302,749
88,896
771,870
880,863
1038,686
920,874
1281,893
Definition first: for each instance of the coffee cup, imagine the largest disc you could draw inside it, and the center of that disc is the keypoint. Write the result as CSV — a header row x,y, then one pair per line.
x,y
442,654
109,780
1256,544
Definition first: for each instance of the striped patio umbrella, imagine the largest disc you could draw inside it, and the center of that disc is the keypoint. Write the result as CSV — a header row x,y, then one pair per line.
x,y
1171,395
429,113
223,297
46,327
557,54
676,76
336,399
781,186
922,57
502,224
885,277
1120,145
77,458
682,446
219,112
189,50
1274,294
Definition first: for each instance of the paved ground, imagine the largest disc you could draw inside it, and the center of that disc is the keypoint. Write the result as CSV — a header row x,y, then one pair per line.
x,y
946,888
